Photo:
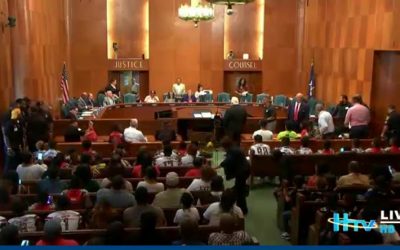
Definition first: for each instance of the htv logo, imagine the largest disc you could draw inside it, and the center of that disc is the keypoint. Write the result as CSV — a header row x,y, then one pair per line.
x,y
345,223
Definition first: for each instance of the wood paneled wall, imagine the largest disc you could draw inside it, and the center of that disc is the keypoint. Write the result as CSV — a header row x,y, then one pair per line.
x,y
88,45
342,35
280,47
39,48
7,90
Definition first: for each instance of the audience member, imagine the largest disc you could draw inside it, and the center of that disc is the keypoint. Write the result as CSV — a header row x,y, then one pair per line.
x,y
167,159
188,210
217,187
304,147
24,222
9,236
27,170
263,131
133,214
132,134
44,203
52,235
51,151
228,235
84,174
166,133
40,150
375,146
394,146
73,132
116,137
77,195
202,184
356,146
289,131
116,235
259,148
198,163
117,195
320,172
170,197
150,181
6,200
114,169
90,133
143,160
354,177
189,230
327,150
226,205
103,214
51,184
148,234
187,160
69,219
285,147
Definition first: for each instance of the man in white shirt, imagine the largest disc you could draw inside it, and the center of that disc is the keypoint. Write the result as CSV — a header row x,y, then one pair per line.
x,y
152,98
132,134
263,131
27,171
325,122
179,89
259,148
167,160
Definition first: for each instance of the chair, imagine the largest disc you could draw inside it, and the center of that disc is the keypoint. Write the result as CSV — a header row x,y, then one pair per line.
x,y
100,99
208,97
261,97
247,98
280,100
129,98
224,97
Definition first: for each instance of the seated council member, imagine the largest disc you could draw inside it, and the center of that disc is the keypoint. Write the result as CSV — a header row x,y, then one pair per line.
x,y
201,92
179,89
189,97
108,100
152,98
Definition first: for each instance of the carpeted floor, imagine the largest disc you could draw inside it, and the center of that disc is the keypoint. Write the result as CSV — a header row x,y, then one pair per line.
x,y
261,220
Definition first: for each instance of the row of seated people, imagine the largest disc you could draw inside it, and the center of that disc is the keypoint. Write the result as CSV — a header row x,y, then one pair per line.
x,y
362,196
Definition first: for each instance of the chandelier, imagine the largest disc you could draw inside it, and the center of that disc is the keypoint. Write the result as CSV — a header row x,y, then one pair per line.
x,y
196,12
229,4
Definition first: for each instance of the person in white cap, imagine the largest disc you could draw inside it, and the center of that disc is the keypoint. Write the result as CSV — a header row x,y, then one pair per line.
x,y
172,195
234,120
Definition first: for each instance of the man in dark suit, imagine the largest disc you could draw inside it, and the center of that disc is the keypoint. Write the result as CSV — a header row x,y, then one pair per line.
x,y
234,120
298,111
392,124
73,132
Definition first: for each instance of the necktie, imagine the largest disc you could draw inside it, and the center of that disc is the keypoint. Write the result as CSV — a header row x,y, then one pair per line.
x,y
296,111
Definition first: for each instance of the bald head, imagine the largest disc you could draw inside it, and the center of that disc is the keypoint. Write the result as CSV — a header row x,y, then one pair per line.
x,y
299,97
319,107
227,223
134,123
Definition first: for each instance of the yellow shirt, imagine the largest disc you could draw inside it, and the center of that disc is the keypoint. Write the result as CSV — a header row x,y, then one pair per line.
x,y
291,134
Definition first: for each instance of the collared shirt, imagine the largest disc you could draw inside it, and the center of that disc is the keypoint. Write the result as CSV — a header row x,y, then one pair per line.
x,y
325,123
132,135
358,115
150,99
179,89
237,238
286,150
169,198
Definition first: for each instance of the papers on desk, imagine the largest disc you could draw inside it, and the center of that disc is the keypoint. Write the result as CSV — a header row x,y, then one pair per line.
x,y
203,114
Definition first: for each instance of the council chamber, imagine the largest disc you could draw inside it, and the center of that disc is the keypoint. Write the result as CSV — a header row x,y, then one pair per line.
x,y
199,122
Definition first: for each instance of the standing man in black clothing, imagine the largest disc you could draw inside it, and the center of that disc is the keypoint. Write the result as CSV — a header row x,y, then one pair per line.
x,y
14,141
73,132
38,127
234,120
270,114
392,124
237,167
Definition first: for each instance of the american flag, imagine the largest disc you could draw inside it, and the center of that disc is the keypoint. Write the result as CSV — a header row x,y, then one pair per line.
x,y
64,84
311,82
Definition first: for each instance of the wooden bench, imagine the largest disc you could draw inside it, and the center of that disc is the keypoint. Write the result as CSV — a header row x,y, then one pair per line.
x,y
184,182
170,233
304,164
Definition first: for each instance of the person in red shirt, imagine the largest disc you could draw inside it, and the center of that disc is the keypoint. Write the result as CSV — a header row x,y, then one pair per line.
x,y
376,146
320,171
44,203
52,235
394,146
116,137
327,150
87,148
198,163
90,133
144,159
